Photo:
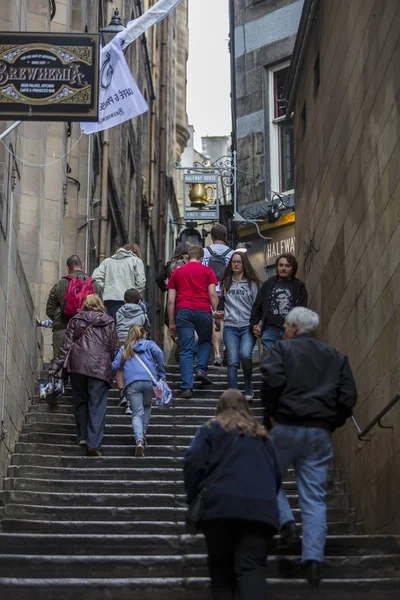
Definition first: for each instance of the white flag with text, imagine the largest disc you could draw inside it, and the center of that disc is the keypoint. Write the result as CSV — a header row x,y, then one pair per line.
x,y
120,98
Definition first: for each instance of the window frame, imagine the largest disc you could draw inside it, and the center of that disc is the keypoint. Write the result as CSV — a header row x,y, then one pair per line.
x,y
274,132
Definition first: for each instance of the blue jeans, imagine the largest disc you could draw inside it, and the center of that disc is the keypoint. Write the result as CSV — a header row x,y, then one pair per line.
x,y
187,322
239,343
310,451
270,336
140,394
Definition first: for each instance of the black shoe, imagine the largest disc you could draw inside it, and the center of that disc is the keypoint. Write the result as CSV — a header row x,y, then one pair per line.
x,y
203,378
313,572
289,536
186,393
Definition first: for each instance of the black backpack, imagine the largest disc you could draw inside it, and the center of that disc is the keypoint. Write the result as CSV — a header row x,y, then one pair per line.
x,y
217,262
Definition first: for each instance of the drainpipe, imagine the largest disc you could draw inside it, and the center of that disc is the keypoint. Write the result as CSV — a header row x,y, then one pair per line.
x,y
10,194
104,176
104,197
89,173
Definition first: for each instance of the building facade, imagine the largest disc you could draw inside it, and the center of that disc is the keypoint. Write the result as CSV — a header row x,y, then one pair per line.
x,y
344,89
262,39
89,195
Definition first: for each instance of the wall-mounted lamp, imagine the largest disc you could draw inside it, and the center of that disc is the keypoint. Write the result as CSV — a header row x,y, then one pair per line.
x,y
243,246
109,32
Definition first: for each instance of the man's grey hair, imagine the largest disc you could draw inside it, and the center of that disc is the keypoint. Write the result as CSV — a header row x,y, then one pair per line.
x,y
305,318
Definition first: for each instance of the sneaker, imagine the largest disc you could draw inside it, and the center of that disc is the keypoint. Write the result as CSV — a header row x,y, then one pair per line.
x,y
203,378
139,450
313,572
289,536
186,393
128,410
82,443
217,361
123,401
94,452
249,397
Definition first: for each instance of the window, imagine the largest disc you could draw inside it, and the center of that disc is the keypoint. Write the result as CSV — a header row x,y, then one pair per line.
x,y
281,132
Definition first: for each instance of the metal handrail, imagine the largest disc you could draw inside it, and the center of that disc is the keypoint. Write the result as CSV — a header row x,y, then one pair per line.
x,y
361,433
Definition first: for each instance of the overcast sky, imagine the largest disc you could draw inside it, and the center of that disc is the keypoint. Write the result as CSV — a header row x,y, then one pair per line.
x,y
208,69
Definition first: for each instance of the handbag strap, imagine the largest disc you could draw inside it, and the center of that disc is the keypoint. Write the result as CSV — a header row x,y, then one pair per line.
x,y
221,462
86,329
145,367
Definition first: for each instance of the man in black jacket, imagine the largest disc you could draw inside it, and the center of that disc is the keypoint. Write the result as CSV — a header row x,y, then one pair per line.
x,y
275,298
308,391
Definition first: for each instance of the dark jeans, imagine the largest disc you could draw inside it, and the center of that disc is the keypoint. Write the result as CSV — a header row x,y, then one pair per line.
x,y
113,307
89,399
187,322
237,558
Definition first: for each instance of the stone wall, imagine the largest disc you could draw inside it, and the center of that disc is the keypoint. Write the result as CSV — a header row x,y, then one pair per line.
x,y
347,136
19,357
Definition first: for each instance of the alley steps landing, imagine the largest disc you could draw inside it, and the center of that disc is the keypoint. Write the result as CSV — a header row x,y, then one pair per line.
x,y
112,527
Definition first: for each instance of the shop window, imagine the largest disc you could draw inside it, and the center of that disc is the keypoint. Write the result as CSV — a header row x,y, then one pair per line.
x,y
281,133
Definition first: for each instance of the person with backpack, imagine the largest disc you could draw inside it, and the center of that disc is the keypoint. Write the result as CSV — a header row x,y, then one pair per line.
x,y
179,258
90,344
67,296
217,257
124,270
142,362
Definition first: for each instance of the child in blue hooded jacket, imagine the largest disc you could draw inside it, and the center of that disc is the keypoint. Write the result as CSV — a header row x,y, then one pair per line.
x,y
142,362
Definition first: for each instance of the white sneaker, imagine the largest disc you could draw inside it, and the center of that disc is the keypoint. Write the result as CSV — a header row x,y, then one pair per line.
x,y
128,410
249,397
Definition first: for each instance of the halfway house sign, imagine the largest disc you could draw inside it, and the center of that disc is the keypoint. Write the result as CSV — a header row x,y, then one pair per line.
x,y
49,76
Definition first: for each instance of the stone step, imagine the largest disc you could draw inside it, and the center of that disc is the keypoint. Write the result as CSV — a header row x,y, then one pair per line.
x,y
168,494
125,544
161,444
124,428
28,524
110,507
112,462
172,421
204,412
151,480
23,475
195,588
191,565
120,446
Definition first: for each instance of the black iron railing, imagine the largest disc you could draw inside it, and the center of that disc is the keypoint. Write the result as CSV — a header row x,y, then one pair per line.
x,y
361,433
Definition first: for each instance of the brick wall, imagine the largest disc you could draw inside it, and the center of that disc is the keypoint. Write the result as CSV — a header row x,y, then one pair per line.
x,y
348,226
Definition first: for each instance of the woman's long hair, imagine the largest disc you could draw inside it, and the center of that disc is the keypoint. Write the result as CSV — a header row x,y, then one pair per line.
x,y
233,413
93,302
135,249
248,272
135,335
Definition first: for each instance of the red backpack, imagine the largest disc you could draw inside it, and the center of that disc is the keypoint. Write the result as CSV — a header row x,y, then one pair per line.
x,y
75,294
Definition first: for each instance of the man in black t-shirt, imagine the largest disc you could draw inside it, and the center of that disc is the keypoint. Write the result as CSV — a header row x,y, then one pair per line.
x,y
275,299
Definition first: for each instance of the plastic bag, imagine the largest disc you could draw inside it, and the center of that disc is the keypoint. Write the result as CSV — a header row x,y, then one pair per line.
x,y
162,393
52,389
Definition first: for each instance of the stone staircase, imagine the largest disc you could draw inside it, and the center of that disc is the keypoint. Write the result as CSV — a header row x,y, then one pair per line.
x,y
112,527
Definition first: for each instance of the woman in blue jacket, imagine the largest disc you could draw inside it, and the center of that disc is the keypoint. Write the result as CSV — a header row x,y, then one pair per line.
x,y
240,511
142,362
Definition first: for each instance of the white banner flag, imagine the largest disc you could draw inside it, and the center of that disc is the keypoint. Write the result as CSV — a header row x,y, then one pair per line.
x,y
120,98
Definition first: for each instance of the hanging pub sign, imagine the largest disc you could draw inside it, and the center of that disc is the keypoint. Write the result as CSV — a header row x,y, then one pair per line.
x,y
200,191
49,76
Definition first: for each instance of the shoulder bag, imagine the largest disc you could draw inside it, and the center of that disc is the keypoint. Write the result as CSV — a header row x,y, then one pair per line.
x,y
161,388
194,513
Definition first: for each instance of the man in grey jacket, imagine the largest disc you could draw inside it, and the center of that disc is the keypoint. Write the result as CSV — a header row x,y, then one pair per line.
x,y
124,270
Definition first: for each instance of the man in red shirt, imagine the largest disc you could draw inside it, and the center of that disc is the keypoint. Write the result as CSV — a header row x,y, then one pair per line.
x,y
191,297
